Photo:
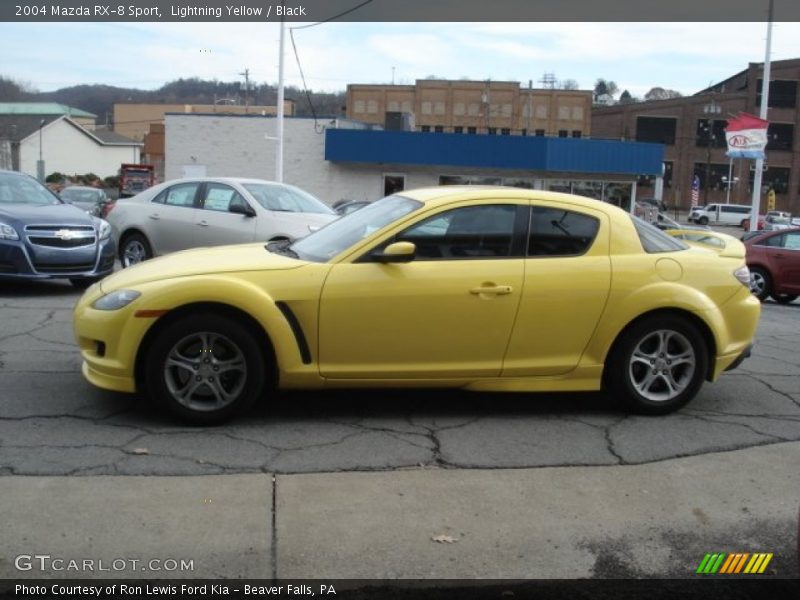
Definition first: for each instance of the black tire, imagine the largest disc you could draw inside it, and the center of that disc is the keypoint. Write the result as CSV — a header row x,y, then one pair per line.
x,y
703,220
82,283
745,224
784,298
630,367
213,357
133,249
760,283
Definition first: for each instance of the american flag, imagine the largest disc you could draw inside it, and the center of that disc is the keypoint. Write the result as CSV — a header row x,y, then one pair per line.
x,y
695,190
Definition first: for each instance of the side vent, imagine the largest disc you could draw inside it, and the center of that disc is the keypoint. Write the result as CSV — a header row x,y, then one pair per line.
x,y
297,330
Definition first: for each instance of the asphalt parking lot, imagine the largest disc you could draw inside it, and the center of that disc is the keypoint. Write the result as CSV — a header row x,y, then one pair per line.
x,y
615,495
77,429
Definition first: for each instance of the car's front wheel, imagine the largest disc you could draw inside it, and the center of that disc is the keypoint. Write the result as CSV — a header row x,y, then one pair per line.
x,y
205,368
760,283
657,365
133,249
703,220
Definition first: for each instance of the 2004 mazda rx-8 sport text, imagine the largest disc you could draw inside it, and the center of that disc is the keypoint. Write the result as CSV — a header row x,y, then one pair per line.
x,y
493,289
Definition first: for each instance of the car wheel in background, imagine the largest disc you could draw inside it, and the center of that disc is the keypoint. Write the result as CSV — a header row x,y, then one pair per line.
x,y
205,368
703,220
784,298
658,364
760,283
133,249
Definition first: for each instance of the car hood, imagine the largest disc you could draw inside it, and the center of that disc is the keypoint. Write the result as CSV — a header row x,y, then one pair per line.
x,y
201,261
44,214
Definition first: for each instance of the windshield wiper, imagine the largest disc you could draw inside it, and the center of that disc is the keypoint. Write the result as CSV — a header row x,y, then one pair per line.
x,y
282,247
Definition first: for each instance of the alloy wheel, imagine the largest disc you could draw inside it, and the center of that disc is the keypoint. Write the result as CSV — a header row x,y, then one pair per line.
x,y
662,365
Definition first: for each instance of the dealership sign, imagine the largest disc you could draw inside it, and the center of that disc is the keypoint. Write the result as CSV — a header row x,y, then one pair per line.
x,y
746,136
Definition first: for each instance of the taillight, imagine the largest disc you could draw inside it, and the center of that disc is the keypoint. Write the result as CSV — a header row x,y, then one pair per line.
x,y
743,275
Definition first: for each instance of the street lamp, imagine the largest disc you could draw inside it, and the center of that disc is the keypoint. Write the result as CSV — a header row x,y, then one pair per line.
x,y
40,162
728,181
710,109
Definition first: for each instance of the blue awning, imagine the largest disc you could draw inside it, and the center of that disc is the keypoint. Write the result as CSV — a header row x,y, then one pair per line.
x,y
548,154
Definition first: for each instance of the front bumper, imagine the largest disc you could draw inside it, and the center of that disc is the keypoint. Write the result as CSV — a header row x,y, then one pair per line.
x,y
746,354
20,260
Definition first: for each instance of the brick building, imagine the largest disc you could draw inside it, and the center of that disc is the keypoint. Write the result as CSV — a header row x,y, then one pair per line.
x,y
692,131
480,107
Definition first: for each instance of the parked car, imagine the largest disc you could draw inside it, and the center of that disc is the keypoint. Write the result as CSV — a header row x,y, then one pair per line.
x,y
720,214
188,213
774,261
345,208
776,223
486,289
664,223
43,237
90,199
660,205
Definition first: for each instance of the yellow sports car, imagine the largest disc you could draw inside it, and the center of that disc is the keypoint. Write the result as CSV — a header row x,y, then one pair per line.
x,y
481,288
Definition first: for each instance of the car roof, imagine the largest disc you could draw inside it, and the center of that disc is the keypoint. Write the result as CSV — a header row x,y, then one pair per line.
x,y
444,194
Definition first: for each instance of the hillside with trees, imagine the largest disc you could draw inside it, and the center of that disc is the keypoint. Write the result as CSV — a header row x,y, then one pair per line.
x,y
100,99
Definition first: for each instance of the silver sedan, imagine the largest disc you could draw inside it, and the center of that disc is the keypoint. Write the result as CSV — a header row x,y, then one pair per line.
x,y
212,211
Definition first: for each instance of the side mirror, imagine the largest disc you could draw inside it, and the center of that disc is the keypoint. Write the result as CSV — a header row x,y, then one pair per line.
x,y
398,252
242,209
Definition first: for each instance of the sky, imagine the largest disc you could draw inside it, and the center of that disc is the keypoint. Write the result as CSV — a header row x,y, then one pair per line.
x,y
686,57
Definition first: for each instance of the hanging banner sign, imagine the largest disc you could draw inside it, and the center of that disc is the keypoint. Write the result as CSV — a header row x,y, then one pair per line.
x,y
746,136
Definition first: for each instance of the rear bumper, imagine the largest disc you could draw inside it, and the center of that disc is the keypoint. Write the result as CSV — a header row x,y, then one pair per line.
x,y
740,359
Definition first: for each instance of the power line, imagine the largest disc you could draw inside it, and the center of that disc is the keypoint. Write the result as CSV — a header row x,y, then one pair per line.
x,y
297,56
341,14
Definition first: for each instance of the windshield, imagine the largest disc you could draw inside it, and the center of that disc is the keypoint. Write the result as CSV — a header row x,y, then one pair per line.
x,y
79,195
779,220
21,189
343,233
286,198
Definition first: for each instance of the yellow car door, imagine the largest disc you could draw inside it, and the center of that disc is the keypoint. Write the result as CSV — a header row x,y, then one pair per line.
x,y
567,284
449,312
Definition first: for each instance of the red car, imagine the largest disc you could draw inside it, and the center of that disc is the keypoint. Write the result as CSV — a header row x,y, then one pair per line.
x,y
774,261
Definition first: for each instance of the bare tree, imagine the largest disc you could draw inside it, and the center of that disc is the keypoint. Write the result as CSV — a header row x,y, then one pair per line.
x,y
659,93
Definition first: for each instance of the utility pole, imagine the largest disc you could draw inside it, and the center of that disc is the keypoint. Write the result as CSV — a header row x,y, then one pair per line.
x,y
530,107
279,153
756,202
246,87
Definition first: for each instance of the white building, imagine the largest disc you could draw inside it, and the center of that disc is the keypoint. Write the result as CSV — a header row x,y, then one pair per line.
x,y
339,159
68,148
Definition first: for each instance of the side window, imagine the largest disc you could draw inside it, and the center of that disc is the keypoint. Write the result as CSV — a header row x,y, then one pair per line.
x,y
160,197
791,241
221,197
181,194
773,241
464,233
558,232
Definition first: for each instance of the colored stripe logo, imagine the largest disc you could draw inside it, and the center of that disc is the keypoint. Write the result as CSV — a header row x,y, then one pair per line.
x,y
734,563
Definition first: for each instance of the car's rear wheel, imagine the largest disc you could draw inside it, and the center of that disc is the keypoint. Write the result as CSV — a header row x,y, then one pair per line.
x,y
745,224
760,283
133,249
658,365
205,368
784,298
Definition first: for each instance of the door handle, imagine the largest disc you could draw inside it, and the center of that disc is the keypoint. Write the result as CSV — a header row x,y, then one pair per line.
x,y
155,216
495,290
203,223
780,255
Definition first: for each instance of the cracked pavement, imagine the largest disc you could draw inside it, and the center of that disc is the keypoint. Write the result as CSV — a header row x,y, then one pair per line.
x,y
52,422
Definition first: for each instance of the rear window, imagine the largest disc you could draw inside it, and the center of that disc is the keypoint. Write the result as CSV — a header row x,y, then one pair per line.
x,y
654,240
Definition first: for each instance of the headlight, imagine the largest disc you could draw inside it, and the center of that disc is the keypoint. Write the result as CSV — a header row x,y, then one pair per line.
x,y
103,229
116,300
743,275
7,232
